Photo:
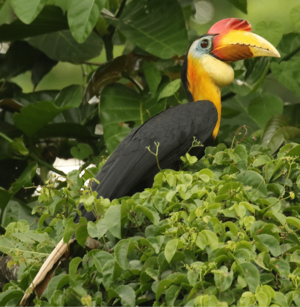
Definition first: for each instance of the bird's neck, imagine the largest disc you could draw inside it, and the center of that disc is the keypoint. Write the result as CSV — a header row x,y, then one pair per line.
x,y
206,76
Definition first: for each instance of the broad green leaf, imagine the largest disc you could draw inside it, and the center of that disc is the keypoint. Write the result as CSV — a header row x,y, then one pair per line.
x,y
171,295
127,295
240,4
272,126
293,221
19,58
82,17
69,96
97,229
81,151
152,75
35,116
251,275
283,134
171,249
162,286
113,220
56,283
272,31
155,26
50,19
254,180
170,89
10,294
149,212
25,178
271,243
100,259
121,251
28,12
81,232
19,147
121,104
212,239
73,266
69,50
227,282
262,108
5,197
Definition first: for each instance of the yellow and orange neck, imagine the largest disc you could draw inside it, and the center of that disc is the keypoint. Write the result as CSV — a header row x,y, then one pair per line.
x,y
206,75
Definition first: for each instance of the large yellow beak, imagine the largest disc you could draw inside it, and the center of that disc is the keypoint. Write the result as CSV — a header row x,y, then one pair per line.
x,y
235,45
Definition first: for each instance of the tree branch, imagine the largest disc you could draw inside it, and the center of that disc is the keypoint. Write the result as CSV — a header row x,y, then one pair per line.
x,y
107,39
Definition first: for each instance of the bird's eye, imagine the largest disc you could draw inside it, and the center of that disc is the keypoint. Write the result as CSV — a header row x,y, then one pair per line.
x,y
204,43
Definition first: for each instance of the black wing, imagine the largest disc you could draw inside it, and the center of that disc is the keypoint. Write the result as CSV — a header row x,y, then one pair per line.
x,y
132,165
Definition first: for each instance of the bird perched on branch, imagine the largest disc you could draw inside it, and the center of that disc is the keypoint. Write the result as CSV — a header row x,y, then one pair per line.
x,y
131,167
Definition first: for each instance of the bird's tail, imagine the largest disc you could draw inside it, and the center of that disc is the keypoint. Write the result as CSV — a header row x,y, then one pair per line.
x,y
45,273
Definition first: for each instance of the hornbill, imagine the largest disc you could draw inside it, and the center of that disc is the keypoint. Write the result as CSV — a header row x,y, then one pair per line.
x,y
131,167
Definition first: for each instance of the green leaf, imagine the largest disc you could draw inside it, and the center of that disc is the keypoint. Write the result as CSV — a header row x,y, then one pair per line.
x,y
294,15
142,22
254,180
152,75
162,286
240,4
41,67
170,89
50,19
121,251
10,294
272,31
127,295
270,243
272,126
19,147
81,232
35,116
73,266
69,50
97,229
293,221
149,212
121,104
281,135
113,220
212,239
263,107
19,58
170,249
56,283
81,151
28,12
171,295
70,96
82,17
251,275
25,178
227,282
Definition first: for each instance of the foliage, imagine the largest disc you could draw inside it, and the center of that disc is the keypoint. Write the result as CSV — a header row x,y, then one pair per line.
x,y
88,121
223,231
40,126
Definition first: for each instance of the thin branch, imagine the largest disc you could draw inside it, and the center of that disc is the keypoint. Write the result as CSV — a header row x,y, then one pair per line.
x,y
92,63
44,163
107,39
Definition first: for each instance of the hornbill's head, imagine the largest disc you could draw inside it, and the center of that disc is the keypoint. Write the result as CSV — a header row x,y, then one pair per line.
x,y
206,69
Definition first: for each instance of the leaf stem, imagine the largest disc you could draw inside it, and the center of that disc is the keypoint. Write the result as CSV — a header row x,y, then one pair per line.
x,y
44,163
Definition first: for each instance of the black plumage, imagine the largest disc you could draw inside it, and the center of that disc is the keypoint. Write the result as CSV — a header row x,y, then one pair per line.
x,y
131,168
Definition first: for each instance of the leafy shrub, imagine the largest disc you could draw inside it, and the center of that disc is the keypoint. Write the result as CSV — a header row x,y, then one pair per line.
x,y
221,232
